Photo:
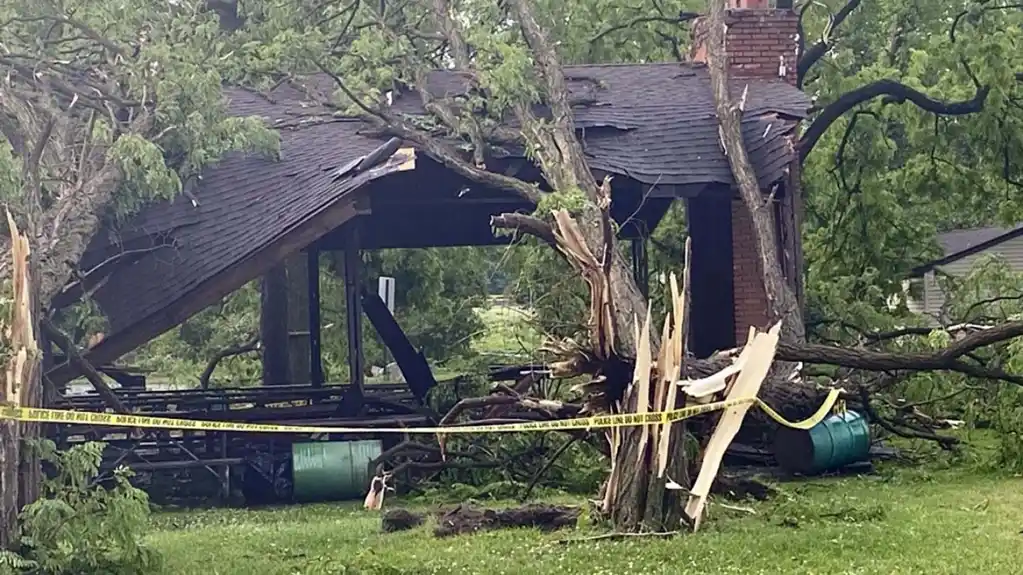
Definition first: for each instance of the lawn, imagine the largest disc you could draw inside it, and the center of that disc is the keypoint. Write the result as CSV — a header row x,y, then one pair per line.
x,y
902,522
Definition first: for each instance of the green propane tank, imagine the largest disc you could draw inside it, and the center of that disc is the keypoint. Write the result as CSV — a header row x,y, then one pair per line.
x,y
332,470
839,440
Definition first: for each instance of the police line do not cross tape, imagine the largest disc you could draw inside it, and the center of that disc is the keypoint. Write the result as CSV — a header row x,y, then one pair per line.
x,y
42,415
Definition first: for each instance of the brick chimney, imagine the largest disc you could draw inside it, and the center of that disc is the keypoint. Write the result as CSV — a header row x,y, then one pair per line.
x,y
761,42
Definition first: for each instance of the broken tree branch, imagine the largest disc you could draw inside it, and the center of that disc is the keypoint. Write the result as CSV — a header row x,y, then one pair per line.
x,y
781,299
809,57
435,148
87,370
947,359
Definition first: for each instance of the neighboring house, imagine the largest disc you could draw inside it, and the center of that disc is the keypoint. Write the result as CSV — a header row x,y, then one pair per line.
x,y
962,249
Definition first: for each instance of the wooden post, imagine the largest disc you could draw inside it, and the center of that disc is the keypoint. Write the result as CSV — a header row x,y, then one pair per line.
x,y
273,326
299,367
353,309
412,363
316,376
225,473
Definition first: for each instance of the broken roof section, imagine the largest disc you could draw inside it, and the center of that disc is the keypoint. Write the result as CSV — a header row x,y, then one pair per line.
x,y
652,123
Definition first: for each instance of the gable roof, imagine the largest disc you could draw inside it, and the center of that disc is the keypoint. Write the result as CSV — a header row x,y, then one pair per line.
x,y
654,123
958,244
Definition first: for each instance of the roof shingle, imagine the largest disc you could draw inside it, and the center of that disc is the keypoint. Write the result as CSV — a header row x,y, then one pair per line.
x,y
654,123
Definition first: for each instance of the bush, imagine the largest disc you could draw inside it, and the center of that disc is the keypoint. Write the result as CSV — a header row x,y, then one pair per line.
x,y
80,527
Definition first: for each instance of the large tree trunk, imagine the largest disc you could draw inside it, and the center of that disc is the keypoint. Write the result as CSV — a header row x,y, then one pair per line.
x,y
782,303
10,455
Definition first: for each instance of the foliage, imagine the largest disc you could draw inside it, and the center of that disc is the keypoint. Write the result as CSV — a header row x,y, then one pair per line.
x,y
887,176
436,304
164,51
80,527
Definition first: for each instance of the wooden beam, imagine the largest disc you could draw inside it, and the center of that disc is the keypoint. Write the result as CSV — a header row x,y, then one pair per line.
x,y
412,363
185,464
353,311
215,288
316,376
273,325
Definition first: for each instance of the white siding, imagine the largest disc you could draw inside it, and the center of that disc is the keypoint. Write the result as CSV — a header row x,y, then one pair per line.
x,y
932,300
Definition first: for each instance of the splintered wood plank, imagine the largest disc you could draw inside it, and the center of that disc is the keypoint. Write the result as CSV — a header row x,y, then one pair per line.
x,y
406,158
641,380
664,360
747,385
676,354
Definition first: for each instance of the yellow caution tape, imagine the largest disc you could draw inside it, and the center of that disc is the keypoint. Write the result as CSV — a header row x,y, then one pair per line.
x,y
831,403
41,415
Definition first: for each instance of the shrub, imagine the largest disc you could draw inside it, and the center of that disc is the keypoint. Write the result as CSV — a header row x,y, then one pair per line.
x,y
79,526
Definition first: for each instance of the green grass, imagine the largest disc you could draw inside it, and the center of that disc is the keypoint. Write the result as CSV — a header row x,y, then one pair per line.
x,y
910,522
507,333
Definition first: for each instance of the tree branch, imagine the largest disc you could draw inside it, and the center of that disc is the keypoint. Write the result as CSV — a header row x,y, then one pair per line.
x,y
782,304
897,93
83,365
948,359
531,225
251,345
682,18
432,146
810,57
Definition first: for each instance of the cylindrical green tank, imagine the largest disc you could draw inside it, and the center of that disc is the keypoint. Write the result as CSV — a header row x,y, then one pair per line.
x,y
839,440
332,470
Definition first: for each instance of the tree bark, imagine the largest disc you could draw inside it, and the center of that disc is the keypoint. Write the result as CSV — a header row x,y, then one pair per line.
x,y
782,304
10,456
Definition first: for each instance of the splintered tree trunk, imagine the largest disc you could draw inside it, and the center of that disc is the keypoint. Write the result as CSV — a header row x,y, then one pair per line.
x,y
20,373
647,458
639,498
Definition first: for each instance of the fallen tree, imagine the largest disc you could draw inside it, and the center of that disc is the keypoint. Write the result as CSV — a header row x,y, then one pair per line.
x,y
627,365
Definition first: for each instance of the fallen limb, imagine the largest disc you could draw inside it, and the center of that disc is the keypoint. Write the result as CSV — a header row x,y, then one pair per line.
x,y
470,519
947,359
546,467
87,369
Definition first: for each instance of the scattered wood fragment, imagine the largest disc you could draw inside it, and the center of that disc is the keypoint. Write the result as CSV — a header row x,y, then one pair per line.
x,y
401,520
757,359
468,518
378,487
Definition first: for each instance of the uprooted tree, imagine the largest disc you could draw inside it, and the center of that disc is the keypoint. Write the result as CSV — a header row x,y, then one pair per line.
x,y
510,62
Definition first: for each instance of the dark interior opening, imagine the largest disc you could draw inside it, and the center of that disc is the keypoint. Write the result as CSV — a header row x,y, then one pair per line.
x,y
712,325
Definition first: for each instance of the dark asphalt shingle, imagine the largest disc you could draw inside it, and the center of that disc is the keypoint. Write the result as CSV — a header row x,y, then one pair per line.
x,y
654,123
